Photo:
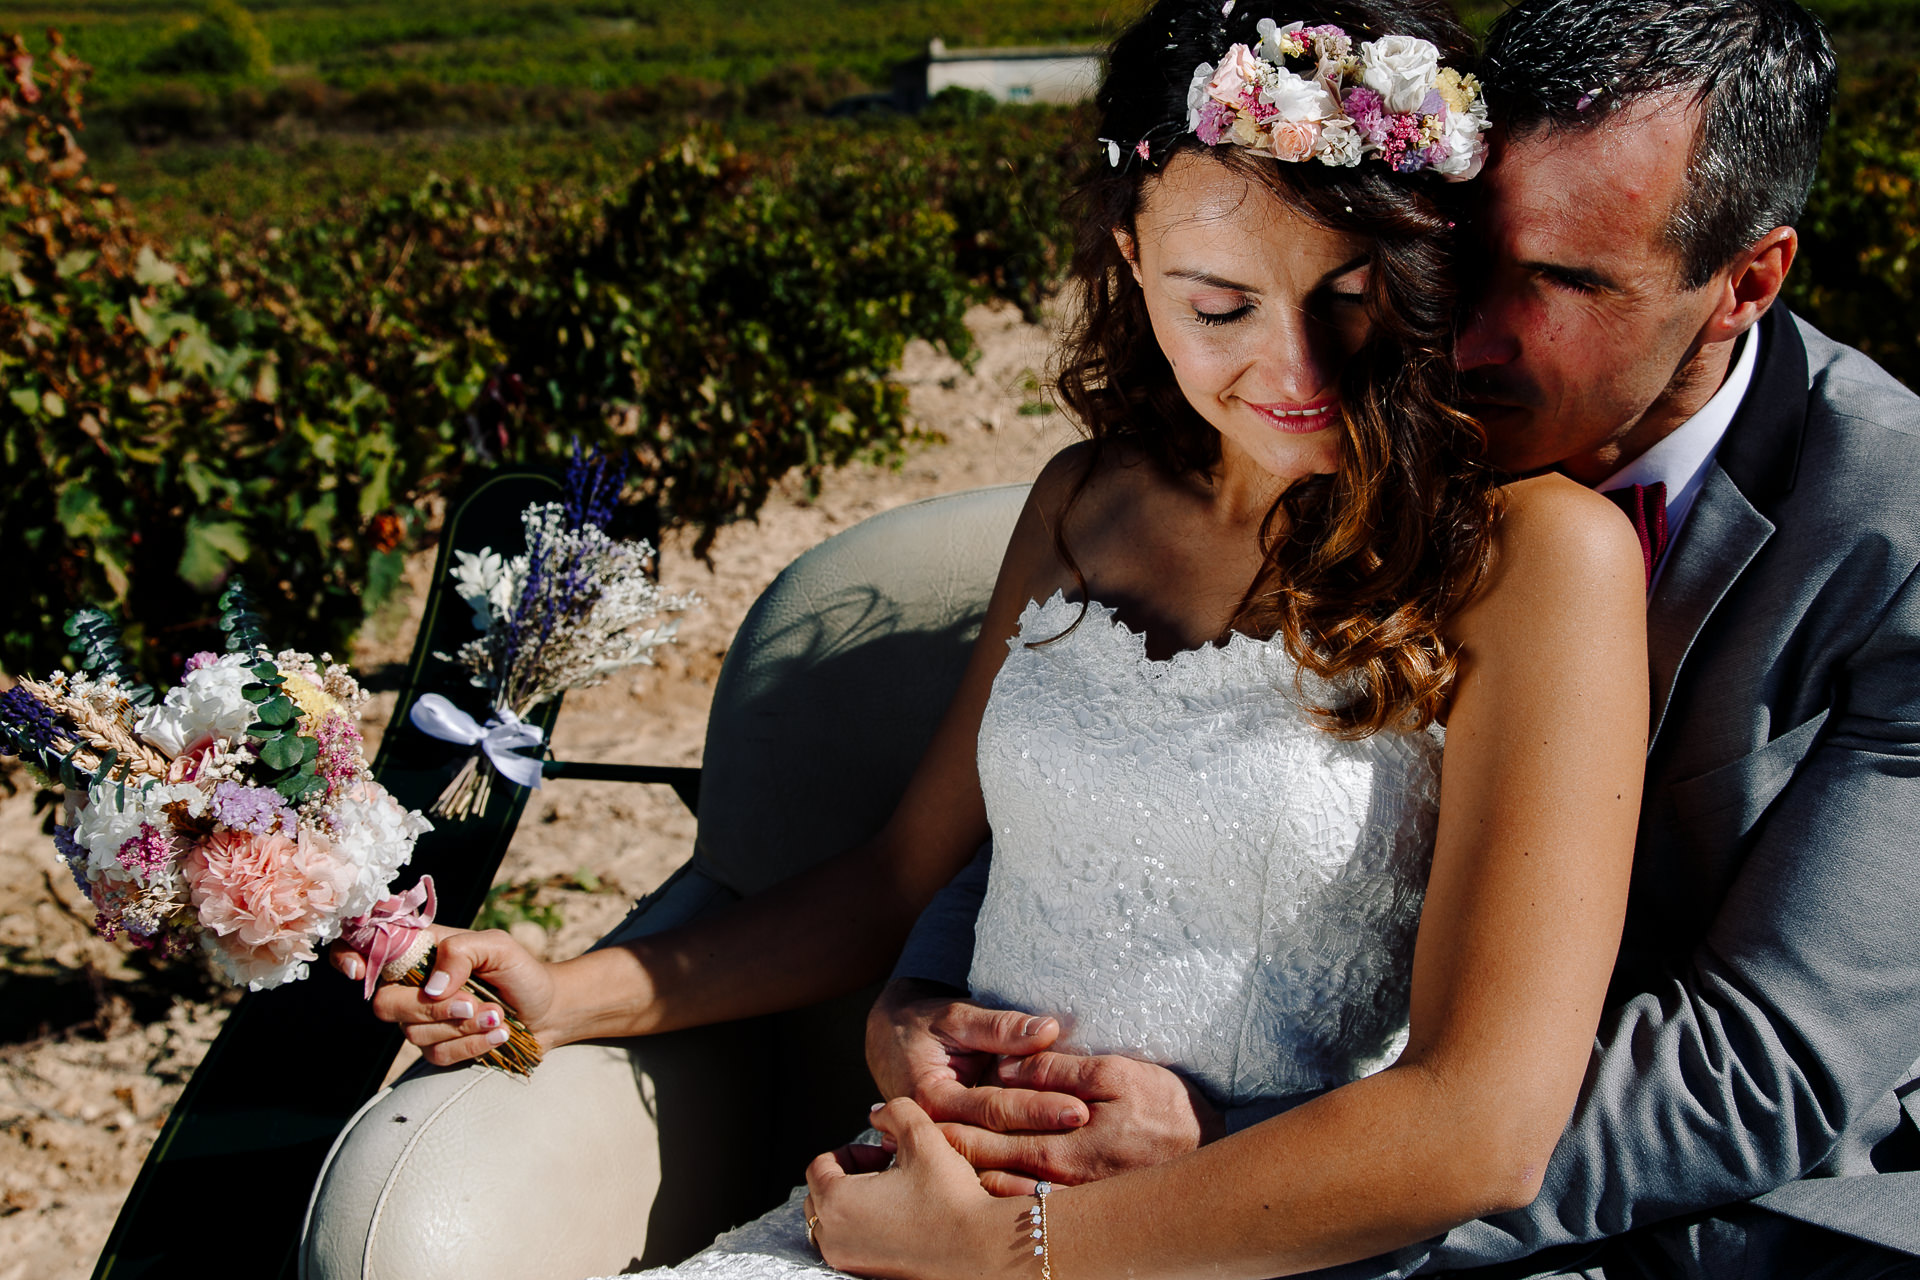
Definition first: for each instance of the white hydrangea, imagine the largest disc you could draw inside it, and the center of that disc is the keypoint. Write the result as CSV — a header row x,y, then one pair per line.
x,y
376,835
103,825
206,703
1340,144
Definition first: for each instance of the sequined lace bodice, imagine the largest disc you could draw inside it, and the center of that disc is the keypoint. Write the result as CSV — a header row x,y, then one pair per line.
x,y
1187,868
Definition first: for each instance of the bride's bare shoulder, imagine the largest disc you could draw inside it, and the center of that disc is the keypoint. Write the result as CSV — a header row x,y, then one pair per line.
x,y
1090,475
1559,550
1077,495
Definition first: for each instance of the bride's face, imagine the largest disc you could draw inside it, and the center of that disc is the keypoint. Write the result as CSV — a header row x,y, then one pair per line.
x,y
1256,307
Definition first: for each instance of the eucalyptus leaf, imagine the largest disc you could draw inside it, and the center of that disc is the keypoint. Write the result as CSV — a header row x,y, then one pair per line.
x,y
280,753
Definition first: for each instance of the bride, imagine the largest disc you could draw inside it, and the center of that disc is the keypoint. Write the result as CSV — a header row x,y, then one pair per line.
x,y
1202,722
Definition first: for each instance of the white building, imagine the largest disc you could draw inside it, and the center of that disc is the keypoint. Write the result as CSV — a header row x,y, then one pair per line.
x,y
1059,73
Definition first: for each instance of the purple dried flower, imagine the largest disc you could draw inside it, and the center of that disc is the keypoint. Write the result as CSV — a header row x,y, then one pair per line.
x,y
74,855
593,485
254,809
27,726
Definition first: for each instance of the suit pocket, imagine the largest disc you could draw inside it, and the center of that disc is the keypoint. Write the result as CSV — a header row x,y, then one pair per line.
x,y
1717,809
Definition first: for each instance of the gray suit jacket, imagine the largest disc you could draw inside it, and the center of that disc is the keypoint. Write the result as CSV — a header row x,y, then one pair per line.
x,y
1762,1035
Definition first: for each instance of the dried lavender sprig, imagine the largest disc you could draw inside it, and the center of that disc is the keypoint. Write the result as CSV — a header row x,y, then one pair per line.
x,y
28,727
593,486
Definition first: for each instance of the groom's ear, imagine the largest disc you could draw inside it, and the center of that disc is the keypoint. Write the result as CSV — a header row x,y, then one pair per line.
x,y
1753,283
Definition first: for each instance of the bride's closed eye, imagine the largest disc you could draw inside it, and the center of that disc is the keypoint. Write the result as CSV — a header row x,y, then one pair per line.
x,y
1222,317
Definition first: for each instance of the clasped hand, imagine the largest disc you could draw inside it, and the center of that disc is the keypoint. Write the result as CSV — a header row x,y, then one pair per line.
x,y
1019,1111
982,1107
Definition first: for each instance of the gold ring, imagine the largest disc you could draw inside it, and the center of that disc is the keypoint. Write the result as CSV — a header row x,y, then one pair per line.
x,y
812,1222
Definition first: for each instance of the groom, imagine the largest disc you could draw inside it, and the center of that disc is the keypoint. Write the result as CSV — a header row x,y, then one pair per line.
x,y
1752,1106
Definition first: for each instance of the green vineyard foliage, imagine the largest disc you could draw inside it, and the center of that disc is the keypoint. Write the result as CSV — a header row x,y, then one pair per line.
x,y
283,403
728,301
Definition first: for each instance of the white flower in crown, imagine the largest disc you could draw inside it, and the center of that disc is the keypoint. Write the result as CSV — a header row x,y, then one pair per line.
x,y
1197,91
1403,70
1297,98
1278,42
1340,144
1466,145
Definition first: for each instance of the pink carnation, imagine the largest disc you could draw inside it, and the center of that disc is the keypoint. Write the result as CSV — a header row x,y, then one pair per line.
x,y
1369,114
268,900
1216,124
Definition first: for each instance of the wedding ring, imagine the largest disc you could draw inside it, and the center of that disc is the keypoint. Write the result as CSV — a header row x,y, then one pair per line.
x,y
812,1222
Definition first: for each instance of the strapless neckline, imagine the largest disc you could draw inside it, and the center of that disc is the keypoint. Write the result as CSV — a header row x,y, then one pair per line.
x,y
1111,621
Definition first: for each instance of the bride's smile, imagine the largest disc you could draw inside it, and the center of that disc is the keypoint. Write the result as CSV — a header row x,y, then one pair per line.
x,y
1257,308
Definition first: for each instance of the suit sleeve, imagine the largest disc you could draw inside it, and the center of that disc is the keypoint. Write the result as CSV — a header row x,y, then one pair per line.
x,y
940,948
1798,1014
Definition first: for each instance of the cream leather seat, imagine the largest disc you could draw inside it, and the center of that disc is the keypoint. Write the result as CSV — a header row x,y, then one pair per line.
x,y
639,1152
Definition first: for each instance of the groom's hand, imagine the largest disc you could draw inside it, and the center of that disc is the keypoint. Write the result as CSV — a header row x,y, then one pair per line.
x,y
1141,1115
926,1043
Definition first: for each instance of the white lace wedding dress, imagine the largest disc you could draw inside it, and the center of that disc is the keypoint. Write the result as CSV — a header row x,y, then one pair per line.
x,y
1187,869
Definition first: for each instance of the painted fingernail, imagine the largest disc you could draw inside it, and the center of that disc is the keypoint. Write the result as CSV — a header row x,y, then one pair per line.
x,y
437,984
876,1106
497,1036
491,1018
461,1009
354,968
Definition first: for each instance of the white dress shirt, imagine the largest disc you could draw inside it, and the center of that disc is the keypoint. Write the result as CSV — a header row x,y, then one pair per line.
x,y
1680,461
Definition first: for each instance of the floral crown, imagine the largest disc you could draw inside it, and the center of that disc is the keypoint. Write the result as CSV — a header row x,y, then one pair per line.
x,y
1391,100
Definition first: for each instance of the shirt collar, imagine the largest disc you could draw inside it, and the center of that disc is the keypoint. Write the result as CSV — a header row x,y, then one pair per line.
x,y
1680,460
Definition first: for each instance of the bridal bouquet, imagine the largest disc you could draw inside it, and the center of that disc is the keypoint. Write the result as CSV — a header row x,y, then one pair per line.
x,y
235,815
577,605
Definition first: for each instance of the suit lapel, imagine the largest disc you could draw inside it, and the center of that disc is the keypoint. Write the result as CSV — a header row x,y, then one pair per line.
x,y
1755,466
1722,535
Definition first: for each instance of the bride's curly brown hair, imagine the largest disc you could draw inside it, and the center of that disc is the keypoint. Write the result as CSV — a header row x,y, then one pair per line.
x,y
1363,568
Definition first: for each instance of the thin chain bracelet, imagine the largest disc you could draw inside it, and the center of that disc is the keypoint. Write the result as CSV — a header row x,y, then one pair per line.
x,y
1038,1217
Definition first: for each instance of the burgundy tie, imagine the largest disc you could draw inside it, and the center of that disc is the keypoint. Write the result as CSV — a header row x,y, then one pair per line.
x,y
1646,506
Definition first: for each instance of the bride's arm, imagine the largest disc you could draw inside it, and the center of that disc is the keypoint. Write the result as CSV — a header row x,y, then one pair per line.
x,y
1540,801
826,931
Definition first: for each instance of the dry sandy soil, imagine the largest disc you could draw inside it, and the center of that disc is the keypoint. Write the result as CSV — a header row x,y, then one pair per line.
x,y
94,1050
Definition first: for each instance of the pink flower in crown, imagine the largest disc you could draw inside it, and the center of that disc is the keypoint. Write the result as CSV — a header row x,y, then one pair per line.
x,y
1368,113
1236,79
1294,139
199,660
268,901
1216,123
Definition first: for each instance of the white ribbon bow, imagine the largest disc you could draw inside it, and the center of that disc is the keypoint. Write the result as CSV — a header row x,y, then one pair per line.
x,y
434,716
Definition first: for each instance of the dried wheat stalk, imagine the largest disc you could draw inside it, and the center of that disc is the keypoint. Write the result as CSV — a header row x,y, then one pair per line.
x,y
99,731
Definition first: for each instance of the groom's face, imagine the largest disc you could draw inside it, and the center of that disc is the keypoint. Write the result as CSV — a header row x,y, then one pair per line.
x,y
1580,331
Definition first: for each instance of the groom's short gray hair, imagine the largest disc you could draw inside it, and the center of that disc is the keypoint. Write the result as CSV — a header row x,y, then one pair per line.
x,y
1762,71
